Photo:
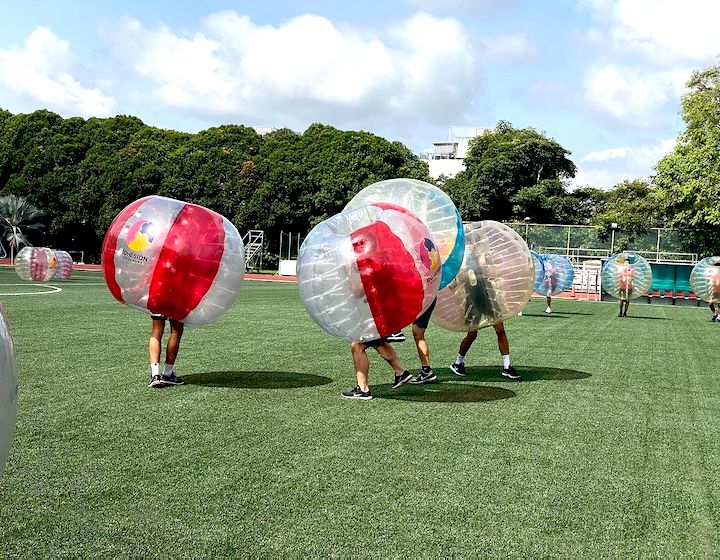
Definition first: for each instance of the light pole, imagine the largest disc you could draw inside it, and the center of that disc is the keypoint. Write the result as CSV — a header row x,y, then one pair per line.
x,y
527,225
613,227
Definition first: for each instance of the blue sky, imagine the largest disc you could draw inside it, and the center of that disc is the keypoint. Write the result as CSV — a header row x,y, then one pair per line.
x,y
602,77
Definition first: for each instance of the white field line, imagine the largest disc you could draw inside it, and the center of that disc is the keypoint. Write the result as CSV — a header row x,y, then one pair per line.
x,y
52,290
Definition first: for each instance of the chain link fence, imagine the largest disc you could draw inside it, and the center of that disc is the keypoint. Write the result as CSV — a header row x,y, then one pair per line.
x,y
581,243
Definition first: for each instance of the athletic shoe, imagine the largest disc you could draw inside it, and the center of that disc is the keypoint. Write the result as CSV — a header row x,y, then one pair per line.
x,y
396,337
510,373
458,369
424,377
519,314
172,379
715,318
401,379
718,319
357,393
548,310
156,382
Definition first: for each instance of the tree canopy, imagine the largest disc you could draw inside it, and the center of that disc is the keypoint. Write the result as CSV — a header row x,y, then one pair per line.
x,y
81,173
689,177
502,162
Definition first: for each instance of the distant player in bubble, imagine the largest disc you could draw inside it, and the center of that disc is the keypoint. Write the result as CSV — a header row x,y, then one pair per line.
x,y
714,280
625,287
458,367
550,284
167,378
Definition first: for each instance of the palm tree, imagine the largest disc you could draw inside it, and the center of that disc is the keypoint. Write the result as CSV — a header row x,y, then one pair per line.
x,y
16,214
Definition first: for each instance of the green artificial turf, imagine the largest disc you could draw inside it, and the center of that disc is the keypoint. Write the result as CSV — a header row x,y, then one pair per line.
x,y
608,447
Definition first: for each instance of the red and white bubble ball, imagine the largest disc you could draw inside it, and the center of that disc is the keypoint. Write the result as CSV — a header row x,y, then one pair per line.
x,y
65,265
494,283
8,389
368,272
38,264
173,258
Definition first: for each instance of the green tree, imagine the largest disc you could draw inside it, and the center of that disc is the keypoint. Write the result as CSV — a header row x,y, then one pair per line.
x,y
689,177
634,205
16,215
502,162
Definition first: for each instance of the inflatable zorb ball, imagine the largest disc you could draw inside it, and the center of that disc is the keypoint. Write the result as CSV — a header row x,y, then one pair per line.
x,y
8,389
38,264
368,272
558,275
432,206
65,265
626,276
539,270
173,258
705,279
494,283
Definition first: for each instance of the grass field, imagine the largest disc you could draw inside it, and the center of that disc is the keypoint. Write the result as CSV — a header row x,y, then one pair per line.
x,y
608,447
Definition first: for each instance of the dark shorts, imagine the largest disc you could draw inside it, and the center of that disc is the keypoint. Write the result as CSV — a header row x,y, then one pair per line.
x,y
376,342
424,319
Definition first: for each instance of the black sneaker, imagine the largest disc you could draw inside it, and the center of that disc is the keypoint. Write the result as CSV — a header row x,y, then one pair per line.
x,y
458,369
396,337
401,379
715,318
510,373
357,393
424,377
172,379
156,382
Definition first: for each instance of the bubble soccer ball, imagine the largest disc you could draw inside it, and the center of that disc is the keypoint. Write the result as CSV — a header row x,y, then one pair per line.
x,y
705,279
432,206
558,275
38,264
626,276
368,272
177,259
8,389
65,265
494,283
539,270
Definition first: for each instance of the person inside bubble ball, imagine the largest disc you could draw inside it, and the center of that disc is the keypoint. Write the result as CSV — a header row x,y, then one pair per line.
x,y
625,285
358,350
550,281
167,378
714,278
362,367
458,367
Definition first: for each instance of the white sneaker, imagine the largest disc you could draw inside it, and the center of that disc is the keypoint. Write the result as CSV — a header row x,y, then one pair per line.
x,y
519,314
548,310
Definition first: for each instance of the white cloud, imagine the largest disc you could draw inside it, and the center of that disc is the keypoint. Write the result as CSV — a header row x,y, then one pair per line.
x,y
663,28
508,47
632,93
467,5
306,69
603,155
606,168
41,70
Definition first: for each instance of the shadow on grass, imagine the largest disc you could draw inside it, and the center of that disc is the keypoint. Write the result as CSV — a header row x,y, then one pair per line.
x,y
528,373
256,379
553,315
455,392
574,313
641,317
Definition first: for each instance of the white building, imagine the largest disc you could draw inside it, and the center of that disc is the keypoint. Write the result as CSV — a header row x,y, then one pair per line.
x,y
447,158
